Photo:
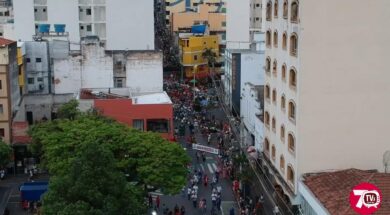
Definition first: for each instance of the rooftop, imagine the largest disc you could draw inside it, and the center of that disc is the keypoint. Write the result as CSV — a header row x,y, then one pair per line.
x,y
332,188
153,98
6,42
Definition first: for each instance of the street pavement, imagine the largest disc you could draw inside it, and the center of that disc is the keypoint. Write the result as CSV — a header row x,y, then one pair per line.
x,y
209,167
10,195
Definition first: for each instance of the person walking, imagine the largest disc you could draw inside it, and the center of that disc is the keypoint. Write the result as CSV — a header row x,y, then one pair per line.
x,y
194,199
189,190
208,139
231,211
203,157
205,180
158,202
182,210
150,201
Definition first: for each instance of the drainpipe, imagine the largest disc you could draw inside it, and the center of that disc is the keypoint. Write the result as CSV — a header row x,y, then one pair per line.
x,y
49,67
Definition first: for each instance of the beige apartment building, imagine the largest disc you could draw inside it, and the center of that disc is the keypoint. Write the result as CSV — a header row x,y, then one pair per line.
x,y
9,87
327,88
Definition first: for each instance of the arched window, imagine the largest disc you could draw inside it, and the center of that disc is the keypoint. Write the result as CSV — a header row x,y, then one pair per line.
x,y
266,144
294,44
274,95
275,68
285,9
282,163
269,11
273,124
267,92
284,41
290,174
293,78
266,118
282,132
294,11
291,142
276,8
275,38
291,110
284,68
273,152
268,38
283,102
268,65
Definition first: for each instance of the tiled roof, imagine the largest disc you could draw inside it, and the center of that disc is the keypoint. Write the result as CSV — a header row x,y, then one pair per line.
x,y
332,189
5,42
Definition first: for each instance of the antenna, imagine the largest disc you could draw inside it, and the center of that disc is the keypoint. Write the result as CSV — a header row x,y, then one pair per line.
x,y
386,161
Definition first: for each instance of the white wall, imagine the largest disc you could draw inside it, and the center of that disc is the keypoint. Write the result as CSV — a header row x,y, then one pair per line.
x,y
237,24
94,70
24,20
130,25
144,72
252,68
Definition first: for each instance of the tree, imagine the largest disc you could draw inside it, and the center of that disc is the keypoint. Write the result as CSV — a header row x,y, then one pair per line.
x,y
69,110
144,158
5,154
92,185
211,57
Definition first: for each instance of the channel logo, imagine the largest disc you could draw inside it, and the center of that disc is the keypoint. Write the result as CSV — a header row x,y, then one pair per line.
x,y
365,198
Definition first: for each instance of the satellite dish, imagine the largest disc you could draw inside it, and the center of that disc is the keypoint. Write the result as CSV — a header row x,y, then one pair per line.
x,y
386,161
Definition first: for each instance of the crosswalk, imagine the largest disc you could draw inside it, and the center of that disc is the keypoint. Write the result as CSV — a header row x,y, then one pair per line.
x,y
211,167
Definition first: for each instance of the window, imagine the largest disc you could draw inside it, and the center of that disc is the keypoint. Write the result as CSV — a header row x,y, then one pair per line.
x,y
223,36
276,8
294,45
273,124
30,80
1,85
35,10
38,60
81,9
268,65
40,79
274,95
167,3
119,82
6,13
284,67
138,124
283,102
282,133
89,28
285,9
275,39
284,41
273,152
294,11
267,92
195,57
257,18
88,11
275,68
290,174
223,24
269,11
44,10
268,38
257,5
293,78
1,109
28,60
281,165
266,144
81,27
167,21
2,132
291,110
266,119
158,125
291,142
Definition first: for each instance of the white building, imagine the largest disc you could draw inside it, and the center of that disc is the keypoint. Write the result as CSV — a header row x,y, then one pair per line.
x,y
251,115
122,24
139,71
243,19
327,87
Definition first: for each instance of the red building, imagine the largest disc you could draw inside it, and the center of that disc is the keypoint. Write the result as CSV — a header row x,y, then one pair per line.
x,y
151,112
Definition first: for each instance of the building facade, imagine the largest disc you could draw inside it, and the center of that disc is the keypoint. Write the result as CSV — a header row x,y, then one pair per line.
x,y
9,87
114,22
180,6
191,50
325,100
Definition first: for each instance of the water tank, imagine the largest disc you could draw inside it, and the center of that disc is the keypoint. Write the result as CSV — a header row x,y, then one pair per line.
x,y
59,28
44,28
